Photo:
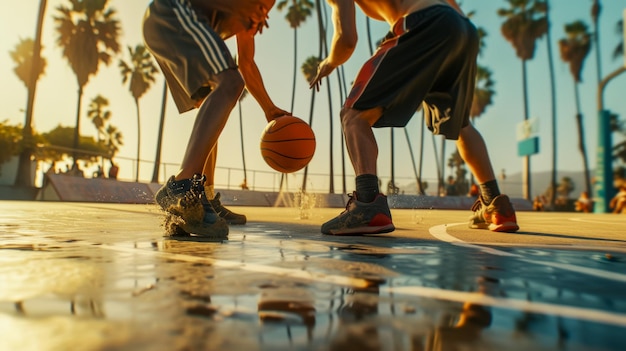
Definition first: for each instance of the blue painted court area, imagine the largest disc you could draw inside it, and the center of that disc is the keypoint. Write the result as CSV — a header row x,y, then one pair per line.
x,y
89,276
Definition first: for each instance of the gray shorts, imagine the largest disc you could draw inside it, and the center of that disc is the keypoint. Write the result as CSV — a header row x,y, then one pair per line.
x,y
186,48
427,60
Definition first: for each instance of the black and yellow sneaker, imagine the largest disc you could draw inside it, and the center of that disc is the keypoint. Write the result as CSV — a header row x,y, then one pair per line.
x,y
189,210
228,215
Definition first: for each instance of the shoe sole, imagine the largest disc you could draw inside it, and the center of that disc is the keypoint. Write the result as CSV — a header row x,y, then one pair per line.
x,y
177,227
363,230
507,227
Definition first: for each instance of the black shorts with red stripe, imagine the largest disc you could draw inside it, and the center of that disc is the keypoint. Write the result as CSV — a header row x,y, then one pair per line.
x,y
427,60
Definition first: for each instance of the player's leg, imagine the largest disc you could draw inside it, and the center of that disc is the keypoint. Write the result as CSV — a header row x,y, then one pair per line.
x,y
215,198
492,210
195,62
367,211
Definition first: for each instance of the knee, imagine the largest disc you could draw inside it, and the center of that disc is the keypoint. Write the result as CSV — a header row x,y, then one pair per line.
x,y
230,82
351,118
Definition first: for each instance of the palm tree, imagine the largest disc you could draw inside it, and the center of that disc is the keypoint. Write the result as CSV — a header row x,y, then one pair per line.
x,y
113,140
596,9
23,57
323,49
483,93
98,115
619,48
297,13
574,50
157,157
244,94
24,175
309,70
140,74
553,106
525,23
88,33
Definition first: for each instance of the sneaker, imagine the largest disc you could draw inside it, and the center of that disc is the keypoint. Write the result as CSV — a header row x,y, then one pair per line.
x,y
229,216
499,216
187,200
361,218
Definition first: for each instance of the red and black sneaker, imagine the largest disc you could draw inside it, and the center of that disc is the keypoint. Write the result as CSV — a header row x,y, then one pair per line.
x,y
361,218
498,216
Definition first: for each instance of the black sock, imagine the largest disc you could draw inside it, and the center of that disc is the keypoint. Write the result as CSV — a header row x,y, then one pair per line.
x,y
367,187
489,191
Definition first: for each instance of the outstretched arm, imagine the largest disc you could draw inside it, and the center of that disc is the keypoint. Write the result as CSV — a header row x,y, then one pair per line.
x,y
344,38
252,76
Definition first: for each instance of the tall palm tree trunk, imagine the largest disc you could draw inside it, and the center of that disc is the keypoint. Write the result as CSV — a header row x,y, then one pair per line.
x,y
439,175
77,129
596,9
295,67
581,139
157,158
420,191
442,174
311,109
527,181
421,162
24,176
138,140
553,175
243,154
393,154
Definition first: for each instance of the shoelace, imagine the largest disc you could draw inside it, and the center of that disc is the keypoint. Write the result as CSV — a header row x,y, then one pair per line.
x,y
351,199
477,205
197,184
197,188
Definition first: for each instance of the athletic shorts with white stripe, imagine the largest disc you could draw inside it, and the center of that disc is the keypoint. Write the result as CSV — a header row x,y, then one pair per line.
x,y
186,48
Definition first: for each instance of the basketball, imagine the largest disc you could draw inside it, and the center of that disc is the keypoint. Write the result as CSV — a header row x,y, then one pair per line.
x,y
287,144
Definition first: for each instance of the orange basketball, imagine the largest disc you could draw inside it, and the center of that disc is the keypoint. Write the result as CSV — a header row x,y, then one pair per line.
x,y
287,144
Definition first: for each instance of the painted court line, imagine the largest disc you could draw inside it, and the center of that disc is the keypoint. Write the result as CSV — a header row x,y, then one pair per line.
x,y
250,267
511,304
419,291
440,232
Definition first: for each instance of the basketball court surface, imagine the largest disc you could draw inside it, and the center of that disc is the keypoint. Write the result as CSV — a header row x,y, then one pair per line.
x,y
89,276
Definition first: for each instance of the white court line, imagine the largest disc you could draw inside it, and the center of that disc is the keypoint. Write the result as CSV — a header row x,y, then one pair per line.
x,y
441,233
419,291
588,221
250,267
511,304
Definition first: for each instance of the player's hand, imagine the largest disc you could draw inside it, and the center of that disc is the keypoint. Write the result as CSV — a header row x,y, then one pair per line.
x,y
323,70
275,113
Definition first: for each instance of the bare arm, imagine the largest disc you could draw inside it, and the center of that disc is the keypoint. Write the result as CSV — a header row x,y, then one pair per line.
x,y
344,38
252,11
252,76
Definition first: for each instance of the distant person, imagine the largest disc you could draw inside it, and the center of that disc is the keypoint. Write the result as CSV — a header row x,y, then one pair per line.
x,y
114,169
244,184
187,39
428,60
584,203
451,187
474,191
538,204
99,173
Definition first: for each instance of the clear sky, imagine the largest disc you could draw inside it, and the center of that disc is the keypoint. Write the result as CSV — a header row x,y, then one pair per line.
x,y
56,99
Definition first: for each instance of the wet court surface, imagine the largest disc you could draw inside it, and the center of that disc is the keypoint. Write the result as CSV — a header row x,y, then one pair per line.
x,y
102,277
